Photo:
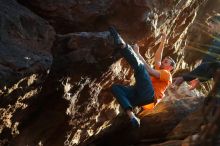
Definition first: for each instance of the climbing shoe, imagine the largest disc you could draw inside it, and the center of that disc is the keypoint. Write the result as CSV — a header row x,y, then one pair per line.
x,y
118,41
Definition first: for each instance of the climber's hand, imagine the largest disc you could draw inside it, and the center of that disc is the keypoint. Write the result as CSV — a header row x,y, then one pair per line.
x,y
194,83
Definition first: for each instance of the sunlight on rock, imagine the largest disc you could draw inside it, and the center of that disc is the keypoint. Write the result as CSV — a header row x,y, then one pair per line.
x,y
90,132
40,143
116,68
173,95
182,91
58,64
15,130
71,141
32,79
67,87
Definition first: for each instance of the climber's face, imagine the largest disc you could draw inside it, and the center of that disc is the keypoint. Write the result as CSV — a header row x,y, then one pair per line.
x,y
167,64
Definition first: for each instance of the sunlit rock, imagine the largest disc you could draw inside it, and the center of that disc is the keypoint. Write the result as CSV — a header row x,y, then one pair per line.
x,y
74,104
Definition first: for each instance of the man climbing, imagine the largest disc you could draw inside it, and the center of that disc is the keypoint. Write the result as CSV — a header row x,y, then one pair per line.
x,y
210,62
150,83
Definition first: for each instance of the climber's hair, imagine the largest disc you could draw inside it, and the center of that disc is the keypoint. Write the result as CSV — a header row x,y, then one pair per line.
x,y
173,63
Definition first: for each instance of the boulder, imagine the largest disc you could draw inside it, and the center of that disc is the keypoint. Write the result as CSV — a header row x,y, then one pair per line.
x,y
25,42
76,16
198,38
90,47
155,124
75,103
25,60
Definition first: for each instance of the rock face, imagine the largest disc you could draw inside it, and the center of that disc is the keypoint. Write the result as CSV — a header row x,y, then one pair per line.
x,y
75,16
155,124
25,56
73,105
198,38
72,15
26,40
90,47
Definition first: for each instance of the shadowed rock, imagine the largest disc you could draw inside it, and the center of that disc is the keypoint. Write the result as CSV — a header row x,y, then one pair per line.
x,y
76,16
25,57
75,102
25,43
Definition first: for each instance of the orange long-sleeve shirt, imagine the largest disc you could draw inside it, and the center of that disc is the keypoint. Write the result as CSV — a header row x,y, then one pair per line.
x,y
160,85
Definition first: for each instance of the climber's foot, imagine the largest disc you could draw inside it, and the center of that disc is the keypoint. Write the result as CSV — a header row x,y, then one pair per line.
x,y
118,41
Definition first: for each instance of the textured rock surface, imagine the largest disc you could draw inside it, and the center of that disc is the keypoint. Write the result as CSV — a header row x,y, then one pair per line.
x,y
74,16
170,143
25,56
209,131
88,47
75,103
26,40
186,128
198,39
155,124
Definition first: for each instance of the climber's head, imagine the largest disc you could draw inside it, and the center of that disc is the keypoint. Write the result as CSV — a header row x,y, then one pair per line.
x,y
168,63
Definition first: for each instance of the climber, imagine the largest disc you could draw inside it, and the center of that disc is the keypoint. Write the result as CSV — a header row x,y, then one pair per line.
x,y
210,62
150,83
